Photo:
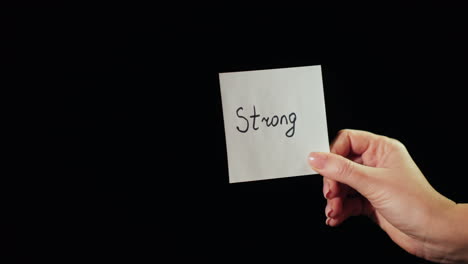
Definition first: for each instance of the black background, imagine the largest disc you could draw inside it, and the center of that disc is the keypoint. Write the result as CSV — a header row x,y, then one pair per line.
x,y
136,114
403,77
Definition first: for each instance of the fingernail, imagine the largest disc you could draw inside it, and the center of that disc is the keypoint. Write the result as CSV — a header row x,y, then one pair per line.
x,y
317,160
330,213
326,189
327,222
327,196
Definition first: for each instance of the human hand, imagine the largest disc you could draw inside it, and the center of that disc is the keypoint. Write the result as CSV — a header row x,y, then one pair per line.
x,y
368,174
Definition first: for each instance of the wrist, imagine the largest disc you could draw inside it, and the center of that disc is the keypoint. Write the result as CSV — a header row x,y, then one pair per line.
x,y
447,240
459,218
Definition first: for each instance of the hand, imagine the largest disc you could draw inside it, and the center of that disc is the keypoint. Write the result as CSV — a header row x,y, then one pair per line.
x,y
375,176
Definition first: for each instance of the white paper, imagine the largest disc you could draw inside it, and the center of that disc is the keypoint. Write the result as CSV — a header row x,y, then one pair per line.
x,y
295,97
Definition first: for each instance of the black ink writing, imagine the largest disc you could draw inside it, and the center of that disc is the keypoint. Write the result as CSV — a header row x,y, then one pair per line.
x,y
247,128
254,116
293,121
272,121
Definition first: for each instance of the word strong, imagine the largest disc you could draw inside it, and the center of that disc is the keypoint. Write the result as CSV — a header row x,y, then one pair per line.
x,y
269,121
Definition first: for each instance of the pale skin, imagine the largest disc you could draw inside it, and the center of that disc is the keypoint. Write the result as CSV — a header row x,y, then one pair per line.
x,y
372,175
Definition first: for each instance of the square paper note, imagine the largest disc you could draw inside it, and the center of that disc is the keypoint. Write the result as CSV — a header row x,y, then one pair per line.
x,y
273,119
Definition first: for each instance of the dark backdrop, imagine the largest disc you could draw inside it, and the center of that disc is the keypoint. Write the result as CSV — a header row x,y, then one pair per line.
x,y
403,79
141,170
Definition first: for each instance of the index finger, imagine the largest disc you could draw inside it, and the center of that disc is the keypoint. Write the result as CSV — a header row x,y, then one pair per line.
x,y
352,142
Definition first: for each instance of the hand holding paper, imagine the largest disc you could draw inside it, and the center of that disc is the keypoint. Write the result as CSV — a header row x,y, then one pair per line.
x,y
394,193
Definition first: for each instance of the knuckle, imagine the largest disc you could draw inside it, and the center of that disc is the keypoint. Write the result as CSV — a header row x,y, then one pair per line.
x,y
343,132
346,169
398,144
394,144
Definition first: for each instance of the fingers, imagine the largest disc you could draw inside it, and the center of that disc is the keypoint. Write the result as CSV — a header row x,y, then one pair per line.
x,y
332,189
326,188
343,169
339,209
334,207
352,142
340,169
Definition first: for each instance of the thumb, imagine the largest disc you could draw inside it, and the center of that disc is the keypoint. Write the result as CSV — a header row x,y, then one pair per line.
x,y
342,170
